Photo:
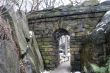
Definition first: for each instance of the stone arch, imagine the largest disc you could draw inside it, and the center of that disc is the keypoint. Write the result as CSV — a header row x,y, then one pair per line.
x,y
57,34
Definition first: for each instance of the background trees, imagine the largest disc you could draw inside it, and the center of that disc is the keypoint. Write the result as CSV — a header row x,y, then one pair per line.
x,y
30,5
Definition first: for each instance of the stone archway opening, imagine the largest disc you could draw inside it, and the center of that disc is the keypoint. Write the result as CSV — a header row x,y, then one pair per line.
x,y
62,45
64,48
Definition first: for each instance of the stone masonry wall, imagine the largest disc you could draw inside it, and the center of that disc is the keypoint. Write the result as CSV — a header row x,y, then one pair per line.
x,y
76,25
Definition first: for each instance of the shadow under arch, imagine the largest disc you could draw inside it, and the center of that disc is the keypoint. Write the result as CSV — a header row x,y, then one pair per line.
x,y
58,33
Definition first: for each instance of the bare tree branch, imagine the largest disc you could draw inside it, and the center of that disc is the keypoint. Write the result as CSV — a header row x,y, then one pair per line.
x,y
25,6
7,3
62,2
71,2
20,5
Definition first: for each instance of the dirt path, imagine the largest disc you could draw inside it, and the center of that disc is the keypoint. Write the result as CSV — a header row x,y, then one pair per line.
x,y
63,68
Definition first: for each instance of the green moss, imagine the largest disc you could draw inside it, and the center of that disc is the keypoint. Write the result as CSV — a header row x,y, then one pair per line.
x,y
47,61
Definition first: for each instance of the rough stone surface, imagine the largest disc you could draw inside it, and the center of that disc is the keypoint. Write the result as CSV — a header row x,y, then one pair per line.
x,y
77,22
9,56
95,48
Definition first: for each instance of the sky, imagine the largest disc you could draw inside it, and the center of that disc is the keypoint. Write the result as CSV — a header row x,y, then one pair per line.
x,y
27,4
58,3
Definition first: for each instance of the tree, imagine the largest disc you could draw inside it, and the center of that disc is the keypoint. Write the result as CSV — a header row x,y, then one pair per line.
x,y
90,2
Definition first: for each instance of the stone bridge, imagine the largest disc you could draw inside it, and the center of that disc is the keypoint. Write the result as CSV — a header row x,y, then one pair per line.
x,y
77,21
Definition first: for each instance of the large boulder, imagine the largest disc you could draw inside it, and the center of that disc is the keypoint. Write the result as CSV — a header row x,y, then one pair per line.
x,y
94,52
9,61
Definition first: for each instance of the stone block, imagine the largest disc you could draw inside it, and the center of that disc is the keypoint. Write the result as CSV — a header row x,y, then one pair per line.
x,y
48,49
40,43
39,40
46,46
47,61
48,53
47,39
47,43
79,33
75,46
